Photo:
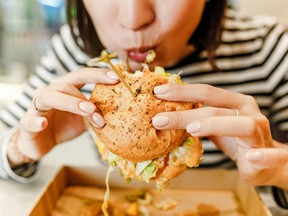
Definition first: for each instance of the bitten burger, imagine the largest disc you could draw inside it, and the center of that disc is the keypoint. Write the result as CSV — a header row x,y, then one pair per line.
x,y
129,141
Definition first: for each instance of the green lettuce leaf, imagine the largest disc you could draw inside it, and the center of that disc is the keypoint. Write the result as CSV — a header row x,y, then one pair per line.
x,y
149,172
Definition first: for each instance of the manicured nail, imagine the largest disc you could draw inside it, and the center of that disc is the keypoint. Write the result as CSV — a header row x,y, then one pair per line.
x,y
160,121
161,90
112,75
39,122
255,156
98,119
87,107
193,127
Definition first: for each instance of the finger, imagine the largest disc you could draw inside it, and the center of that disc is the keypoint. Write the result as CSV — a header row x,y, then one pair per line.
x,y
65,102
221,126
96,120
65,97
206,94
89,75
229,126
266,158
180,119
66,88
33,124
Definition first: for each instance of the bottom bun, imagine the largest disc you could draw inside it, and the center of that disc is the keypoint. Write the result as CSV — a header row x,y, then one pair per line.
x,y
159,170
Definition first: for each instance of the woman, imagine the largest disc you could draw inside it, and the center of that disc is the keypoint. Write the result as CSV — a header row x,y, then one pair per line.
x,y
225,58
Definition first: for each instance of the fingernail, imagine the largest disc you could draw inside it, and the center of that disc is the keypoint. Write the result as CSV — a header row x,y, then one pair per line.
x,y
193,127
87,107
39,122
112,75
161,90
160,121
255,156
98,120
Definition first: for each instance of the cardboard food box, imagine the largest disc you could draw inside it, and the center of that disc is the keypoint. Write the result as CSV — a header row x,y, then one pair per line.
x,y
195,192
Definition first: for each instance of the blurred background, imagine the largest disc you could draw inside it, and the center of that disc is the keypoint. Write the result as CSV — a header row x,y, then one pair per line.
x,y
25,29
27,25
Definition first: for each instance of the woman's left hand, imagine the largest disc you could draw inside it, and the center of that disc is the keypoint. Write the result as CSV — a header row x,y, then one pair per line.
x,y
233,122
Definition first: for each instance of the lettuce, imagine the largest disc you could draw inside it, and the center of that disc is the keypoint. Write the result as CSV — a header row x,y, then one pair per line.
x,y
188,142
149,172
140,166
160,71
112,158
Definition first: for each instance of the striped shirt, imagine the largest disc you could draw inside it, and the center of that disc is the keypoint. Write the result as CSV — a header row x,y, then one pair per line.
x,y
252,58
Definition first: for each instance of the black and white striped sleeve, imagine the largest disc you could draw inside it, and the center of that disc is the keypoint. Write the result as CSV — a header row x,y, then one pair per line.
x,y
252,59
279,107
63,57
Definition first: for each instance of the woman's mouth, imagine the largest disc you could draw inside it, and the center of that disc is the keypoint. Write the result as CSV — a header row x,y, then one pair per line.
x,y
138,55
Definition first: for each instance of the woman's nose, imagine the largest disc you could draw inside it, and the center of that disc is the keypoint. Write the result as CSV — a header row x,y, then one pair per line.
x,y
135,14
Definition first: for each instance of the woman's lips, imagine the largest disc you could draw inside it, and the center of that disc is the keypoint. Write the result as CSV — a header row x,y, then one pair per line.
x,y
138,56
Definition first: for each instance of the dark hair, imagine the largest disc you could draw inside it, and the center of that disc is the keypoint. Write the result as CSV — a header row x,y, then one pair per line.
x,y
206,37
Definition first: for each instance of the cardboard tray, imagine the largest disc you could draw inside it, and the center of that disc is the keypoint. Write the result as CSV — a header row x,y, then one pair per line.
x,y
222,188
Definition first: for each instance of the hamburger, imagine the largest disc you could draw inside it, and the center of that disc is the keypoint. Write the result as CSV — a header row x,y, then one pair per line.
x,y
130,142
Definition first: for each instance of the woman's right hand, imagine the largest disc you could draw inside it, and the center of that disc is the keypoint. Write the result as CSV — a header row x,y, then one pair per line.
x,y
62,107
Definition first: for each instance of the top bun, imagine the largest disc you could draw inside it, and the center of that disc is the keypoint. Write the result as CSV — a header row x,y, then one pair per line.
x,y
129,132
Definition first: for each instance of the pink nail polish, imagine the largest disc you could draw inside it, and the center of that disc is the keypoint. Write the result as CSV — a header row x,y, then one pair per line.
x,y
112,75
98,120
160,121
193,127
87,107
39,122
161,90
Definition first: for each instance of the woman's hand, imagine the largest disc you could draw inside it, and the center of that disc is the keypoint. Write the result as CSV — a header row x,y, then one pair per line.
x,y
61,108
271,164
245,138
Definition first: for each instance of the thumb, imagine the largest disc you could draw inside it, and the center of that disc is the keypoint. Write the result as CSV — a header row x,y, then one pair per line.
x,y
267,158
